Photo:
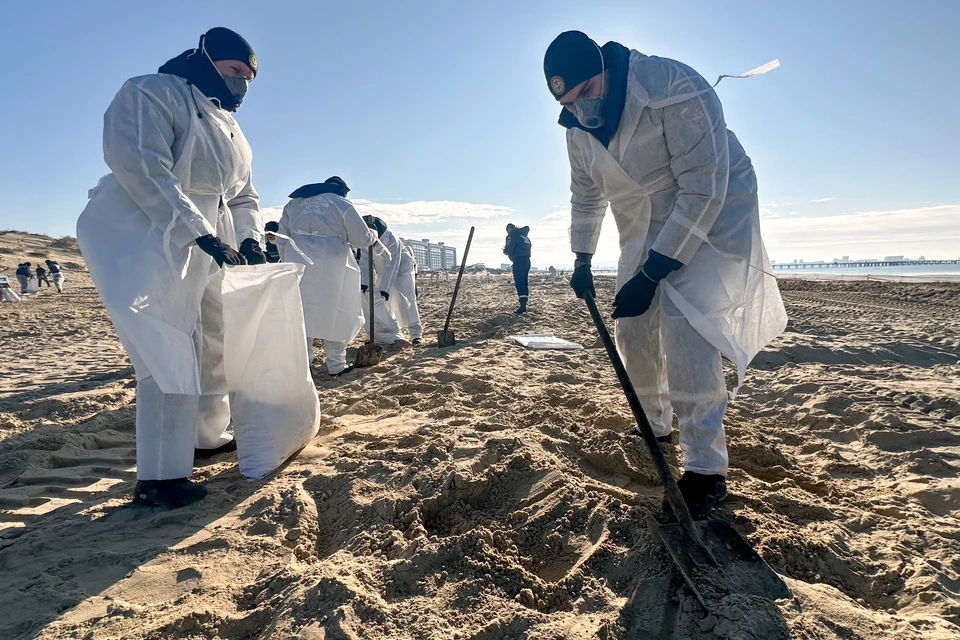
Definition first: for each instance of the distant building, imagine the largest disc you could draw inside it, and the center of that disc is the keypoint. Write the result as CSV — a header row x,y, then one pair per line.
x,y
432,256
505,266
845,259
893,259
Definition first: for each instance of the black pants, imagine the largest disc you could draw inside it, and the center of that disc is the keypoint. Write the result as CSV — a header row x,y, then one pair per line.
x,y
521,276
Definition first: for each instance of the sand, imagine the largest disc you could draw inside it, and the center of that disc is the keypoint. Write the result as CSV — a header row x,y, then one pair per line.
x,y
485,491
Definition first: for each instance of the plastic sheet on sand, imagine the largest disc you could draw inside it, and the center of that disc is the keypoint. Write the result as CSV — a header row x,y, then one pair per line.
x,y
545,341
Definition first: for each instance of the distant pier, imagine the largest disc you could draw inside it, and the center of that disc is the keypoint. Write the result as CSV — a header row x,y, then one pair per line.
x,y
784,266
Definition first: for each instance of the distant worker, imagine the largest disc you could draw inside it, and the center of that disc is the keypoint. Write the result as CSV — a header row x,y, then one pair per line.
x,y
396,281
553,275
24,273
179,199
517,248
647,135
42,276
326,228
57,272
272,252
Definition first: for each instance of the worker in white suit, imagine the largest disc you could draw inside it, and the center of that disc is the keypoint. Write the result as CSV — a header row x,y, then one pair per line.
x,y
647,136
326,228
396,282
178,204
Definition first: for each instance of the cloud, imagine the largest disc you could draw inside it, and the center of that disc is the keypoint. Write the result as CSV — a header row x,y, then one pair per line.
x,y
271,213
932,231
427,212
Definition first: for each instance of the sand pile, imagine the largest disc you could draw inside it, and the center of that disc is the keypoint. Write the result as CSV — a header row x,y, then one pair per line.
x,y
485,491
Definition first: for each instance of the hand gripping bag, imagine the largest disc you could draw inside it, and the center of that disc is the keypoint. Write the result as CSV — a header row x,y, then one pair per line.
x,y
273,400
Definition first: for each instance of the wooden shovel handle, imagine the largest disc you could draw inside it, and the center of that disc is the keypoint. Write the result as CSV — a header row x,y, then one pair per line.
x,y
456,289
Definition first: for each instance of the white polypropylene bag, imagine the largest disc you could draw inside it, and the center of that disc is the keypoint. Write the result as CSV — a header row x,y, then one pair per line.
x,y
273,400
33,285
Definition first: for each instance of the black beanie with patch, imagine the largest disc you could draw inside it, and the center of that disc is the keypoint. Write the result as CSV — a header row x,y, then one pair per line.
x,y
221,43
570,59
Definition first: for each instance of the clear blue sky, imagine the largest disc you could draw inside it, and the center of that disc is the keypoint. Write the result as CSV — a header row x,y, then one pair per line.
x,y
446,101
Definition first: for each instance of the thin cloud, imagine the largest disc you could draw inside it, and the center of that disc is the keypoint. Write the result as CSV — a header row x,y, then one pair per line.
x,y
931,231
819,200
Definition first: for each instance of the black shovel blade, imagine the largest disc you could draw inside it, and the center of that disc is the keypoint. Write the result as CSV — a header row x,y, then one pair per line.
x,y
368,355
445,339
724,564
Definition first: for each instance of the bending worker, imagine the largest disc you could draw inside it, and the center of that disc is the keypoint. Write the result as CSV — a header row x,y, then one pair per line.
x,y
177,206
647,135
325,226
396,278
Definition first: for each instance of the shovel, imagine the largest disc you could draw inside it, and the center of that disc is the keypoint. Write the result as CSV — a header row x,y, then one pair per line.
x,y
713,558
446,338
369,354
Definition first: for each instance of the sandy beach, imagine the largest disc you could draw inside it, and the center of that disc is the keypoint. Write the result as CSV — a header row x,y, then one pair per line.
x,y
486,491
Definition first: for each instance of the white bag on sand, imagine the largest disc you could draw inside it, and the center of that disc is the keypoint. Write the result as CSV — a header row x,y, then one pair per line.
x,y
33,285
273,399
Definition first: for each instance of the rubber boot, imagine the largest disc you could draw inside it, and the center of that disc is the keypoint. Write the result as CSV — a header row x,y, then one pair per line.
x,y
523,306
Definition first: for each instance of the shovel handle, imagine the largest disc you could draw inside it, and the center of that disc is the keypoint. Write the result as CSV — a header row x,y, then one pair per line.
x,y
671,490
370,290
456,289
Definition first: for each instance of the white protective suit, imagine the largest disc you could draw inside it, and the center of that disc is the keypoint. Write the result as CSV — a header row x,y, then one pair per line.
x,y
393,264
678,182
397,275
177,175
325,227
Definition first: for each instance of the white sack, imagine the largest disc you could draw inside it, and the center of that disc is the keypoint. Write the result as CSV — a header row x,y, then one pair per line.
x,y
274,402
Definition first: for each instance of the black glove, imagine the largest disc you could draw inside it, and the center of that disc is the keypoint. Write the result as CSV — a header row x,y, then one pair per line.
x,y
385,295
222,253
582,281
368,220
635,297
250,249
363,288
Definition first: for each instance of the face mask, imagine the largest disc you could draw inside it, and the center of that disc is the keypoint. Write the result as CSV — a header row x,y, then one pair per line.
x,y
237,87
590,110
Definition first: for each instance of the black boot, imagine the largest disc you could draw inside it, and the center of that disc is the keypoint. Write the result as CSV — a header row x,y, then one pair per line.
x,y
701,492
172,494
203,454
523,306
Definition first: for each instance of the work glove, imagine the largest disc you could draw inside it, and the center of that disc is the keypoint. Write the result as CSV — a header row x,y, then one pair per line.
x,y
582,281
635,297
222,253
251,251
385,295
363,288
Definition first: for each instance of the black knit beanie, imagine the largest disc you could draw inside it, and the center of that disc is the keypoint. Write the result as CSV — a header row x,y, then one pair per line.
x,y
570,59
223,44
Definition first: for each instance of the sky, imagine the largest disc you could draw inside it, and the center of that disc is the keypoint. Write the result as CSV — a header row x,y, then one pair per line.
x,y
438,116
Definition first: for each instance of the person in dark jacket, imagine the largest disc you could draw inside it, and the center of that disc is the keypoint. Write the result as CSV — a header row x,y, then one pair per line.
x,y
272,252
517,248
23,276
57,273
42,276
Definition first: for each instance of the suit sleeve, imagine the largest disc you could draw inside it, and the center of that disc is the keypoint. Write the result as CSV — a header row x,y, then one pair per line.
x,y
138,138
358,234
696,137
245,208
588,204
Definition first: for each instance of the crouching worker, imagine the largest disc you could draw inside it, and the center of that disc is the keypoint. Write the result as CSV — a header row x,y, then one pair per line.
x,y
395,275
324,226
177,205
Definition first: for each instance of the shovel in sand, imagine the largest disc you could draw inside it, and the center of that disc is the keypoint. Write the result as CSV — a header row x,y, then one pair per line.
x,y
369,354
713,558
446,338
